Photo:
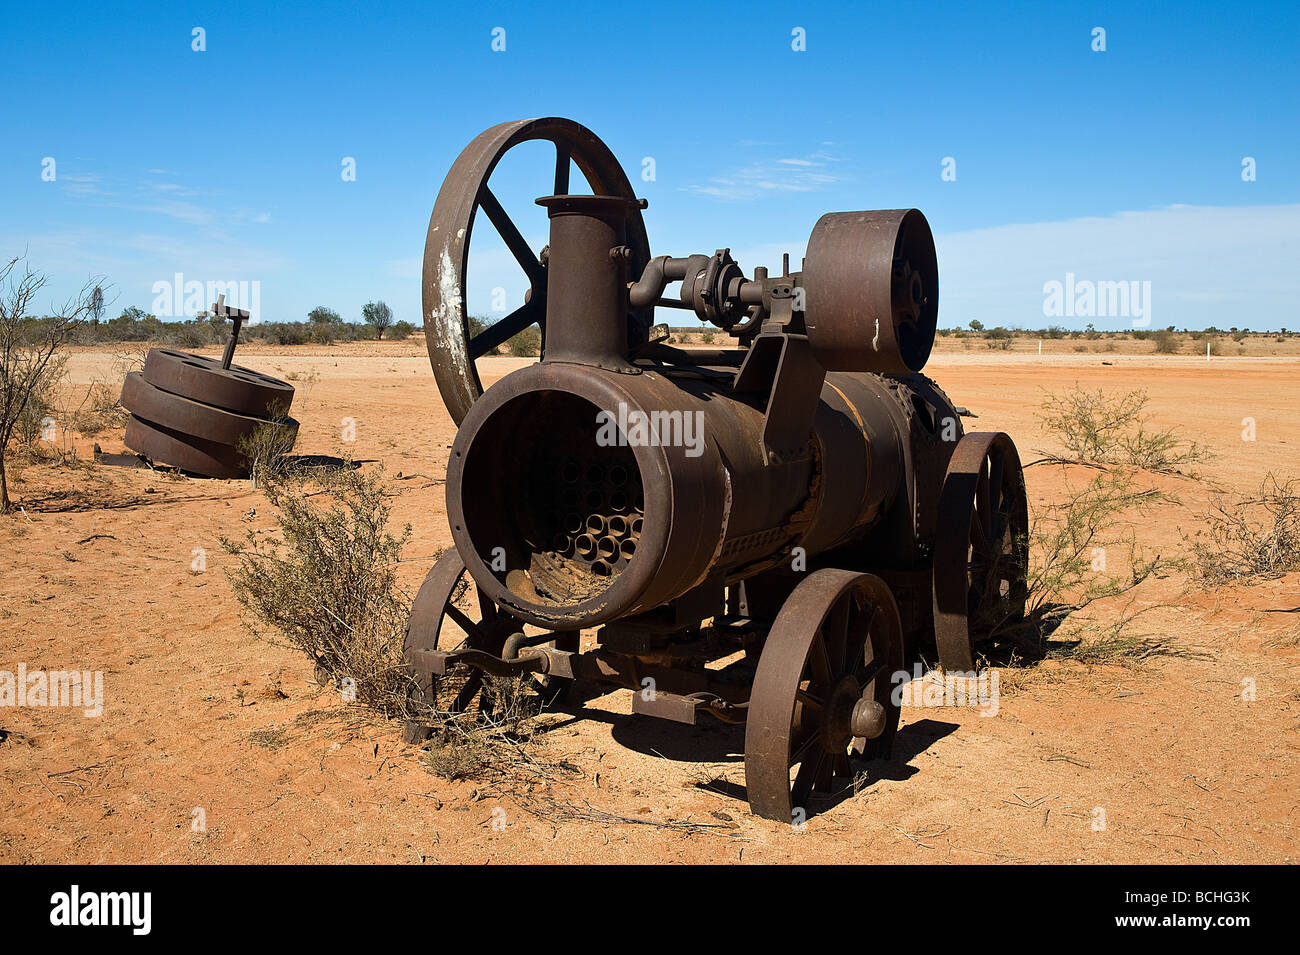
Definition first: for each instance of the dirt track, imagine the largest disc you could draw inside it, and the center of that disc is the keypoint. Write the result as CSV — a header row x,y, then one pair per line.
x,y
98,576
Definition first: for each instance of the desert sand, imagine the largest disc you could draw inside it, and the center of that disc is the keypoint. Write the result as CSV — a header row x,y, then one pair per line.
x,y
205,722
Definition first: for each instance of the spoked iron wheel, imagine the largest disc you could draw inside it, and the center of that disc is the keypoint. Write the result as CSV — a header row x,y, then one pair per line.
x,y
452,349
822,695
981,552
451,613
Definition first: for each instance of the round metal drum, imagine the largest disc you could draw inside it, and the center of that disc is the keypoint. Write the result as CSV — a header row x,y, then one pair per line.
x,y
185,416
871,287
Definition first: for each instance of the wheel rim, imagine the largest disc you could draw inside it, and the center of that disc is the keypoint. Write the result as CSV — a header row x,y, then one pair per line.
x,y
823,691
981,553
452,351
479,627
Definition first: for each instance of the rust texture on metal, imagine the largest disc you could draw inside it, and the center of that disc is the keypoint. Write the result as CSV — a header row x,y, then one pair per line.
x,y
233,388
766,532
981,553
192,412
182,450
871,280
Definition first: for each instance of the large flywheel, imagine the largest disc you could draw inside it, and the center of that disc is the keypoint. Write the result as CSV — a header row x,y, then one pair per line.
x,y
452,348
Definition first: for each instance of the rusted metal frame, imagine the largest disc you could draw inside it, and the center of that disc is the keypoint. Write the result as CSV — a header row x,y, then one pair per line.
x,y
795,387
685,708
598,666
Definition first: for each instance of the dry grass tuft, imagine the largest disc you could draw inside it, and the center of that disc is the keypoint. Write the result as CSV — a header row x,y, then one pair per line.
x,y
498,741
273,738
1251,537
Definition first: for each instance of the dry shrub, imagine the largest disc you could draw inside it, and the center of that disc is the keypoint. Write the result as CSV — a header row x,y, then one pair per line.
x,y
99,410
526,344
1083,550
1167,343
42,403
325,581
1248,537
1112,429
265,448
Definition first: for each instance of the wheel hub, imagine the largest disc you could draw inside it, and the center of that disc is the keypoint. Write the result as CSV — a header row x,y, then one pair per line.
x,y
837,730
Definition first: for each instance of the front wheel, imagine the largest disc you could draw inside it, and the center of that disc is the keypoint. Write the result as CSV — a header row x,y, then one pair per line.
x,y
822,694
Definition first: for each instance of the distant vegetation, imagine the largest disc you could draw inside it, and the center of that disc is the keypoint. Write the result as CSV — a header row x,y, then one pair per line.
x,y
323,326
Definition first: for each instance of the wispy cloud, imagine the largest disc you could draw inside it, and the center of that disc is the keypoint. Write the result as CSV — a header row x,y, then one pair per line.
x,y
170,199
768,177
81,184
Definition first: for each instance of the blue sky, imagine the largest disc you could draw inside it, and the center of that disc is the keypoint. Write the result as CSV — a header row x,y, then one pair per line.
x,y
1123,165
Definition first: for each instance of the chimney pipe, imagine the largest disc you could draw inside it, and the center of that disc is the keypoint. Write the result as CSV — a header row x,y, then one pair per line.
x,y
586,289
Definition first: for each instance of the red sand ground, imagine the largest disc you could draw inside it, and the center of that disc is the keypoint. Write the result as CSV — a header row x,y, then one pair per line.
x,y
97,574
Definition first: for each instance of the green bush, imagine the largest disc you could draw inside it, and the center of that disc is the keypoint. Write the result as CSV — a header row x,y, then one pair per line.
x,y
526,344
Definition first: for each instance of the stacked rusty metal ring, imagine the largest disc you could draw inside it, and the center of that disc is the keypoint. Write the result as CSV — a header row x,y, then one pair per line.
x,y
190,412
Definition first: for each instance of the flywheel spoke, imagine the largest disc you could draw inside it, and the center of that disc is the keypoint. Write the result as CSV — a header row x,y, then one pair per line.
x,y
510,234
498,333
562,160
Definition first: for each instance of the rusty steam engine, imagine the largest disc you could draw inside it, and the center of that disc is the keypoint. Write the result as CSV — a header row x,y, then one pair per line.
x,y
765,533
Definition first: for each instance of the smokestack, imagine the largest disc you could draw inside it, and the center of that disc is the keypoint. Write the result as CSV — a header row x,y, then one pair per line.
x,y
586,297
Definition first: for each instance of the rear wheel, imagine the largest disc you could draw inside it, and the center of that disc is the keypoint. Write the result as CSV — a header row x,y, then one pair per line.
x,y
981,551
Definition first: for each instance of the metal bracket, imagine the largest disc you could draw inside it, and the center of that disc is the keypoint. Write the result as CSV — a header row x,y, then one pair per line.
x,y
667,706
783,364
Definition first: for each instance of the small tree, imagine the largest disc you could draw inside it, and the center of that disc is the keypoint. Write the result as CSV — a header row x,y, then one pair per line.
x,y
320,315
377,315
27,349
976,325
